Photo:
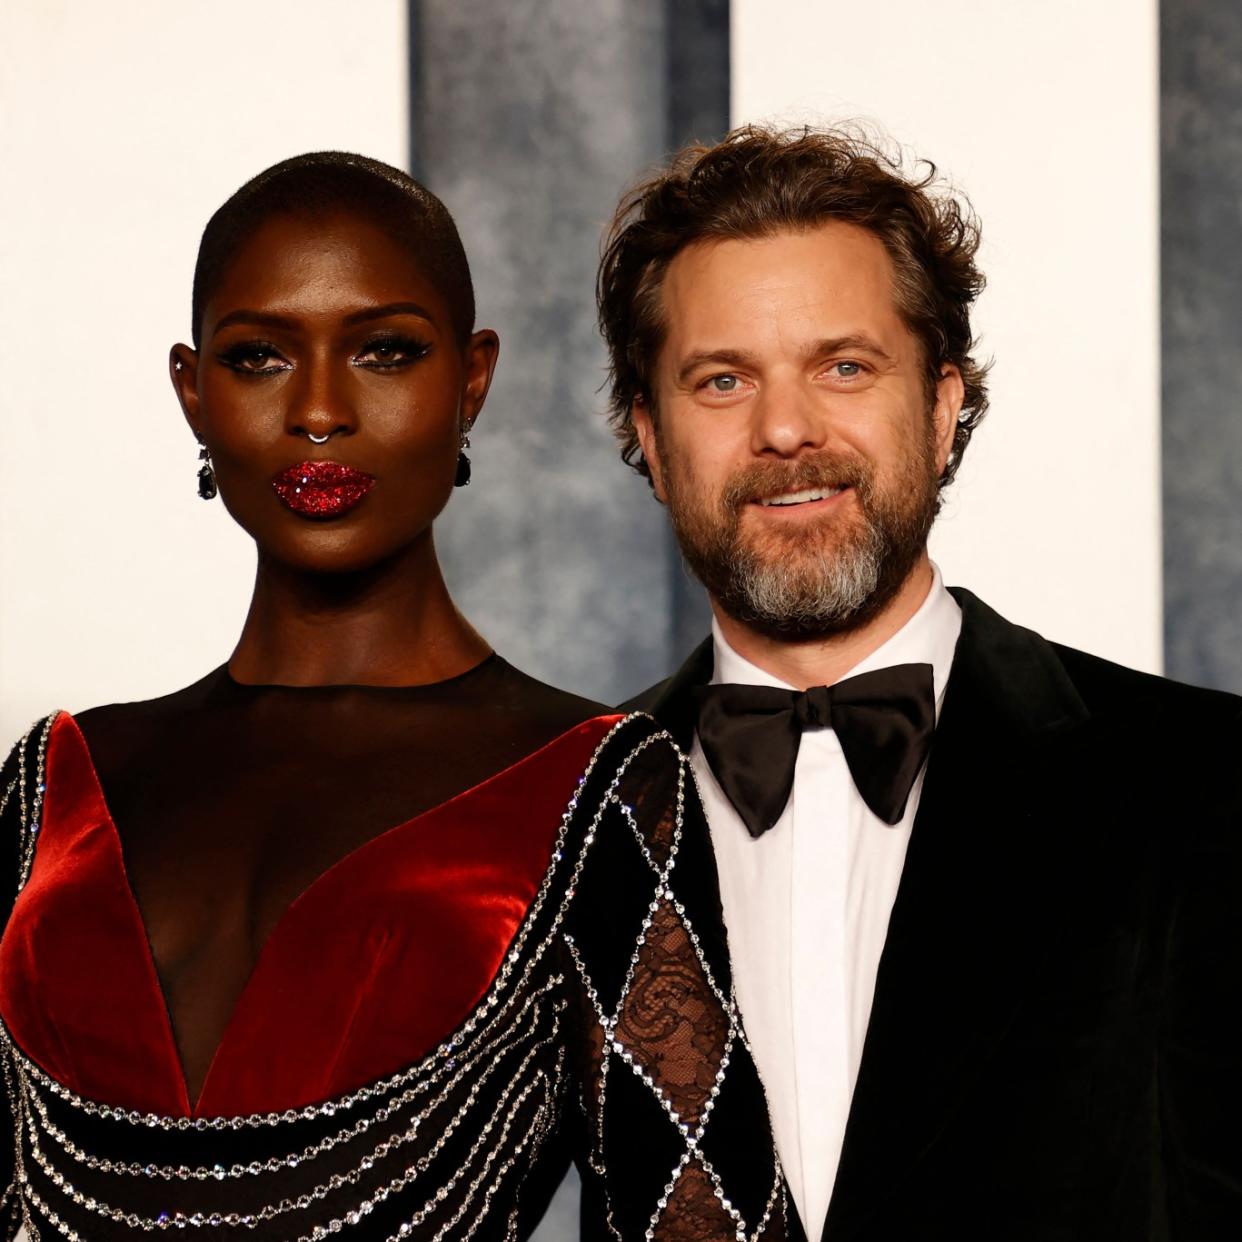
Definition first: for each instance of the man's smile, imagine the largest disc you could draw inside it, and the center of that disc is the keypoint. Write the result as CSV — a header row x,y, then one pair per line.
x,y
807,496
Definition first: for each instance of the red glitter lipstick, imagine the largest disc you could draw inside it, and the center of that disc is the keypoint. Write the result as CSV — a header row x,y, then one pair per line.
x,y
321,489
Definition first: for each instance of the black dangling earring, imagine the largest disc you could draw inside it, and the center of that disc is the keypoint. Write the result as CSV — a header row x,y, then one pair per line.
x,y
206,475
462,477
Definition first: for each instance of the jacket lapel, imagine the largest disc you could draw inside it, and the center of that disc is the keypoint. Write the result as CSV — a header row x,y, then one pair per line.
x,y
670,701
970,919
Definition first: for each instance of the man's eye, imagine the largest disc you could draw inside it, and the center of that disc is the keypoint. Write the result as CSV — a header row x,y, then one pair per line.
x,y
723,383
847,370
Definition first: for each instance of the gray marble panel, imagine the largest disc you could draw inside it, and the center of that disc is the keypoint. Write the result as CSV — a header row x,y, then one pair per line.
x,y
530,117
1201,267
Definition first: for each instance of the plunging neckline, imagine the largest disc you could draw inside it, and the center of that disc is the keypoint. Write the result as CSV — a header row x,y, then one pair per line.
x,y
586,734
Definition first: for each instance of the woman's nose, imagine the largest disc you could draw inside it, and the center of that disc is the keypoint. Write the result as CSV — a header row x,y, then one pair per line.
x,y
322,406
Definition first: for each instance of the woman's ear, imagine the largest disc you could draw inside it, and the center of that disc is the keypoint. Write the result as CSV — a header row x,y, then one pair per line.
x,y
481,355
183,371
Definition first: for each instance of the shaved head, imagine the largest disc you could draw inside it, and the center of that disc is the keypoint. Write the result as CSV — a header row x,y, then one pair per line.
x,y
328,183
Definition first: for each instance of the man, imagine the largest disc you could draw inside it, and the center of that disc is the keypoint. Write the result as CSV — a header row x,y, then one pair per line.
x,y
982,891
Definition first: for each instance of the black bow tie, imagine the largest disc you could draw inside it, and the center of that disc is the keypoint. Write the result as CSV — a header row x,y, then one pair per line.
x,y
884,721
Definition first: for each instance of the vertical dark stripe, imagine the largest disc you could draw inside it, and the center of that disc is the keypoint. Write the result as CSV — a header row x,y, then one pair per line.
x,y
698,70
414,84
697,76
531,116
1201,327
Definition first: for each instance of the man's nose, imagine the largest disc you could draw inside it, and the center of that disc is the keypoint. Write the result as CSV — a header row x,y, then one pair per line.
x,y
787,419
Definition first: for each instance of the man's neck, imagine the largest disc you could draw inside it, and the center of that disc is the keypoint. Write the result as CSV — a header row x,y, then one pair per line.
x,y
823,661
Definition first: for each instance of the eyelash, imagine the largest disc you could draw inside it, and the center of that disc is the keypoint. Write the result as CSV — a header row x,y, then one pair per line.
x,y
237,356
410,346
708,385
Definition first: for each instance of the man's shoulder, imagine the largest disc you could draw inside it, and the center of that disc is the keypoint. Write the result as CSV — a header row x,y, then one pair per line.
x,y
1022,660
650,699
1107,688
668,700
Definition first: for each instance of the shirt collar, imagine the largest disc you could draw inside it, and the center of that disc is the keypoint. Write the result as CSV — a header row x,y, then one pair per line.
x,y
929,637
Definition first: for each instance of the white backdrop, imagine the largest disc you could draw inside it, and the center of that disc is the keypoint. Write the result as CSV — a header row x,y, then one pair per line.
x,y
124,126
1046,114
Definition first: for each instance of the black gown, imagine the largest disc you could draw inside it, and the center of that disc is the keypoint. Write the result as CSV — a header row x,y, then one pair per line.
x,y
289,962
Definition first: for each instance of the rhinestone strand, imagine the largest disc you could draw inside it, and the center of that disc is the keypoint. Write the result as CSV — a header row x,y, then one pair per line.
x,y
595,1157
31,815
293,1159
367,1206
8,793
317,1193
539,1135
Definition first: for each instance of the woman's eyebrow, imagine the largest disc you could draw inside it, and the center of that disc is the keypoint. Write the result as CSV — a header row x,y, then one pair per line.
x,y
390,308
261,318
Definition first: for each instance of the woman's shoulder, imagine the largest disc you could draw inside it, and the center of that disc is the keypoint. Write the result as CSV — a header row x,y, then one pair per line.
x,y
511,690
514,689
115,733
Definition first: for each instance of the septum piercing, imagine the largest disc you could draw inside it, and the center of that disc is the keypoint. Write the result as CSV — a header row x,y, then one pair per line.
x,y
314,439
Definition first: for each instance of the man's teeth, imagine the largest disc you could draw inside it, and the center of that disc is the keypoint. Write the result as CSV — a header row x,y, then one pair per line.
x,y
802,498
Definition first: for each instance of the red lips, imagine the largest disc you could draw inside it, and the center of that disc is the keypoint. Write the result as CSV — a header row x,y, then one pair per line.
x,y
322,489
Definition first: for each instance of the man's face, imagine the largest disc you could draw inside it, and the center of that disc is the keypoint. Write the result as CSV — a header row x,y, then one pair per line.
x,y
795,439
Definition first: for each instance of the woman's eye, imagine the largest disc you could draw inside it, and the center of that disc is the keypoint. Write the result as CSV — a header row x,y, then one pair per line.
x,y
254,358
390,351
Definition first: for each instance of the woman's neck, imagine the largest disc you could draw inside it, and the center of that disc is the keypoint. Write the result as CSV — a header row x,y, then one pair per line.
x,y
390,625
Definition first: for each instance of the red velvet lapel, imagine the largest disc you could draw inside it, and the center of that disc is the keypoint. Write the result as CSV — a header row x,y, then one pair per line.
x,y
78,989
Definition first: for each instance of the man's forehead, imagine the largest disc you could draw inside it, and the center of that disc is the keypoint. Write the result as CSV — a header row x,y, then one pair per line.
x,y
733,283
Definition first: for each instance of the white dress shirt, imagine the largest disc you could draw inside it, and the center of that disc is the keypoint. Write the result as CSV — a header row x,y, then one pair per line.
x,y
807,908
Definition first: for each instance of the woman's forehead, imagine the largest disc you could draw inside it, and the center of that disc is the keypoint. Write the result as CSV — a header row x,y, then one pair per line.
x,y
317,261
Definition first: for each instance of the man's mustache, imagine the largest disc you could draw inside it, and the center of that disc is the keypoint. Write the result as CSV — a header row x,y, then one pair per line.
x,y
824,471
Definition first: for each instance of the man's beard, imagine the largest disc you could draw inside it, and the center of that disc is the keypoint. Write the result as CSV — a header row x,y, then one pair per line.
x,y
815,579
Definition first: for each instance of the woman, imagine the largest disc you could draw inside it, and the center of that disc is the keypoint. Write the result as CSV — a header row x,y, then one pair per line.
x,y
236,999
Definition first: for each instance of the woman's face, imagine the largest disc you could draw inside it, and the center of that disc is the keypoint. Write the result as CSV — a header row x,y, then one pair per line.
x,y
327,327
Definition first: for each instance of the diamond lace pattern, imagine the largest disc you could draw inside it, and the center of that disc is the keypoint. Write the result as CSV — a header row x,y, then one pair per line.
x,y
671,1023
664,1052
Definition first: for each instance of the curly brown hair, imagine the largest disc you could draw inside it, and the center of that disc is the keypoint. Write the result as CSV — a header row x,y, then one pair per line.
x,y
758,181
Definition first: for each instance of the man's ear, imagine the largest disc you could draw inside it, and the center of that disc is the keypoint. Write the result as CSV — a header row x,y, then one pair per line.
x,y
950,393
644,425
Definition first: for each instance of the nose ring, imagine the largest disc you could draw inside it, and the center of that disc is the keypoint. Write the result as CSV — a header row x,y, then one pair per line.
x,y
314,439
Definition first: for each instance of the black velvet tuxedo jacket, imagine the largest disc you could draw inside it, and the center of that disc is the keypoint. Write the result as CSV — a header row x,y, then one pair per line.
x,y
1055,1046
